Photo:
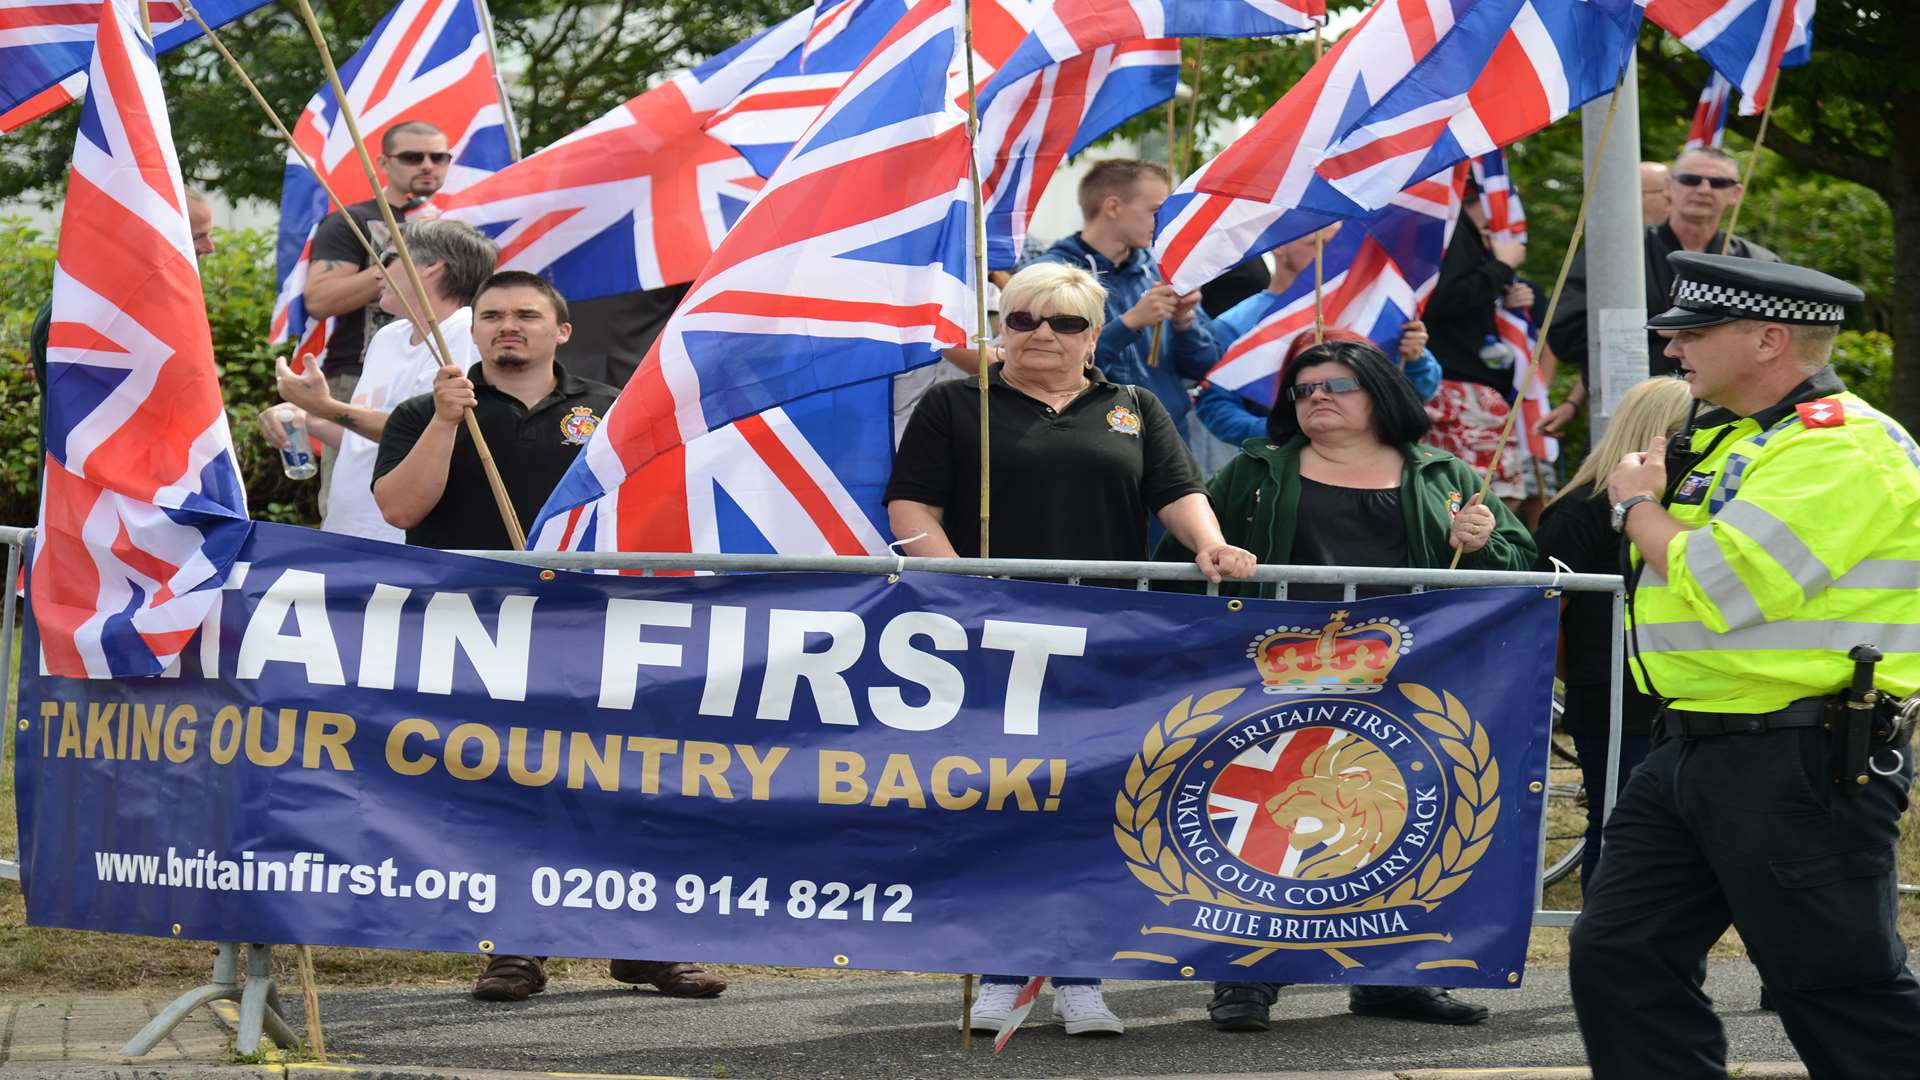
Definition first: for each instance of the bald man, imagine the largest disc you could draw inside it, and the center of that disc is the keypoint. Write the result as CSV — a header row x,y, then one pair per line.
x,y
1654,206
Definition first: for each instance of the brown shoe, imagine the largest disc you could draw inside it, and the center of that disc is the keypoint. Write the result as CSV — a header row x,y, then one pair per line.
x,y
673,980
511,978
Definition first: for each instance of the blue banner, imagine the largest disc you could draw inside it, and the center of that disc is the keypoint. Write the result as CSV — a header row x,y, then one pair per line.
x,y
387,746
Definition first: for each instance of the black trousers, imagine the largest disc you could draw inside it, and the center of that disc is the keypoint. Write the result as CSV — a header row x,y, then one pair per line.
x,y
1747,830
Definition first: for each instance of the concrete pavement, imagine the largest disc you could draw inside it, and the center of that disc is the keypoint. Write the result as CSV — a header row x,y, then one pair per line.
x,y
879,1026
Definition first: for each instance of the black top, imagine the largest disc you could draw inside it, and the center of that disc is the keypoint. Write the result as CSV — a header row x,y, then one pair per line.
x,y
611,334
1568,335
333,241
1459,314
1076,484
1219,296
532,448
1344,526
1578,530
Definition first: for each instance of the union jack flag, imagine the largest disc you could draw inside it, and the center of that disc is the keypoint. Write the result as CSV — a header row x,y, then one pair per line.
x,y
48,43
1066,28
1747,41
142,510
426,60
641,197
851,266
1378,271
1709,126
1028,125
1262,191
55,97
1506,220
1508,69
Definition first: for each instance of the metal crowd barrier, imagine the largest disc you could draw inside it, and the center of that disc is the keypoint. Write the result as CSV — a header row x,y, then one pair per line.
x,y
1352,579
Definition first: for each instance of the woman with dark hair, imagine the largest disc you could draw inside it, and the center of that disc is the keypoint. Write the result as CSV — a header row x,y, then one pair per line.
x,y
1341,480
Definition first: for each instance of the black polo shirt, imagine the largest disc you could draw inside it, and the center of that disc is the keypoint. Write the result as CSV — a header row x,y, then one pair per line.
x,y
1074,484
532,448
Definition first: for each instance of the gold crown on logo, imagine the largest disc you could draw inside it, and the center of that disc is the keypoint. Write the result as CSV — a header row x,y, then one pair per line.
x,y
1334,659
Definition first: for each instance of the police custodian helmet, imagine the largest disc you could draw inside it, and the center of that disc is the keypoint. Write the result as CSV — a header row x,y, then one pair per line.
x,y
1714,289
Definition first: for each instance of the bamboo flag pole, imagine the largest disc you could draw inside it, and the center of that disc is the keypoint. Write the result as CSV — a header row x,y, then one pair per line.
x,y
980,337
515,533
310,1000
499,83
1753,162
1553,302
1173,166
405,296
1193,109
1320,238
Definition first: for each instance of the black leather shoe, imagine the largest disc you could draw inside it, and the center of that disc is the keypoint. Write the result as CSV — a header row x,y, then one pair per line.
x,y
1425,1004
1240,1008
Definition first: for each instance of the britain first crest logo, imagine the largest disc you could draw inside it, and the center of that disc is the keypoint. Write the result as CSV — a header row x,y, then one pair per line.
x,y
1325,821
578,426
1123,420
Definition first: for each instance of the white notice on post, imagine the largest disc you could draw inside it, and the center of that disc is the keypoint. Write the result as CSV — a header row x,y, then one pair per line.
x,y
1623,354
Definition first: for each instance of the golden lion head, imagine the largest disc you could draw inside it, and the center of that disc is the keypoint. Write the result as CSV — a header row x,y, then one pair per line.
x,y
1351,800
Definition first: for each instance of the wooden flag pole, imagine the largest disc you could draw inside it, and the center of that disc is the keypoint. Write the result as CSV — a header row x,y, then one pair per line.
x,y
353,226
1173,165
515,533
1553,302
310,999
1320,237
980,337
499,84
1753,162
1193,110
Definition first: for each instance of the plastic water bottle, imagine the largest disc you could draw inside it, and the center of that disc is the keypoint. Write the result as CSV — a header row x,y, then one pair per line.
x,y
297,458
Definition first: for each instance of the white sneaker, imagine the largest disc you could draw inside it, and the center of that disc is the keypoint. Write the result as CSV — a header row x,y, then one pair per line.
x,y
1084,1011
993,1006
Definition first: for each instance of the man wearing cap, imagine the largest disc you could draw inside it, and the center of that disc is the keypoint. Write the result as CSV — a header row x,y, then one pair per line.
x,y
1775,535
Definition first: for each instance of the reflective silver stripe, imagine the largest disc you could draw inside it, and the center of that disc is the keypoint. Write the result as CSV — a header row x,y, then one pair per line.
x,y
1881,574
1786,547
1709,566
1789,636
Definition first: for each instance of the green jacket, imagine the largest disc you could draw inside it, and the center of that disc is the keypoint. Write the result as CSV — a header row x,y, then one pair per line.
x,y
1257,496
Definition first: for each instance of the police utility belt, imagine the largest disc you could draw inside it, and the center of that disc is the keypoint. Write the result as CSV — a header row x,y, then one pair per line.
x,y
1868,729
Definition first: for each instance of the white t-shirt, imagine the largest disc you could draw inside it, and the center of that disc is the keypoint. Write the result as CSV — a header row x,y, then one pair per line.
x,y
393,370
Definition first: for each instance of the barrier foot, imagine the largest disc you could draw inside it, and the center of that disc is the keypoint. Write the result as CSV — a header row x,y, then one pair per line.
x,y
258,1003
224,987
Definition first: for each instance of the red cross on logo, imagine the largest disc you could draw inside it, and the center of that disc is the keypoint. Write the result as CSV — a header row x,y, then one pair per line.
x,y
1242,789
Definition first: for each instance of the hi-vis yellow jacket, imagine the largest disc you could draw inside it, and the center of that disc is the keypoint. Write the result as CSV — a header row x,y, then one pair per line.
x,y
1803,541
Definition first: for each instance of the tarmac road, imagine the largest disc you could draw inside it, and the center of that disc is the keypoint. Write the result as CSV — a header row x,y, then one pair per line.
x,y
902,1026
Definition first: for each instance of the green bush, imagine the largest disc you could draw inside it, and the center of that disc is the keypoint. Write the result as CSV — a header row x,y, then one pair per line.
x,y
238,281
1864,361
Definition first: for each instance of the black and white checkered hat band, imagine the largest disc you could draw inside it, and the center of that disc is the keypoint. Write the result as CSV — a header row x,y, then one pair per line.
x,y
1699,295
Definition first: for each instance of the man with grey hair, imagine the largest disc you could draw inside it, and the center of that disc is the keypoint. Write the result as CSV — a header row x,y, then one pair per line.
x,y
1703,183
453,259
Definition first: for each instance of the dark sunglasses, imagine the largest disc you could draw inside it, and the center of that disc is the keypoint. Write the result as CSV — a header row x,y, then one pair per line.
x,y
1026,322
415,157
1717,183
1305,390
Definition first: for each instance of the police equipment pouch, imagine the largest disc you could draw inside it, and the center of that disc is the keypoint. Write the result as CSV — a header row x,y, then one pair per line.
x,y
1869,724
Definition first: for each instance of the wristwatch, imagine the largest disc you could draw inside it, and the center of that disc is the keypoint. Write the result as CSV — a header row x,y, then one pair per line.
x,y
1624,506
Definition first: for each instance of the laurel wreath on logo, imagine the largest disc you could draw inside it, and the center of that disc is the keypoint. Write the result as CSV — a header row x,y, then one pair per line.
x,y
1476,776
1138,831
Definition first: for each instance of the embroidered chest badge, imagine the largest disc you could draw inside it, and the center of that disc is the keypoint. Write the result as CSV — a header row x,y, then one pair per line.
x,y
1123,420
1693,489
1825,412
578,426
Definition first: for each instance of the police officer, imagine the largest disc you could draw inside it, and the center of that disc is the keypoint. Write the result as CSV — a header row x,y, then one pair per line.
x,y
1777,535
